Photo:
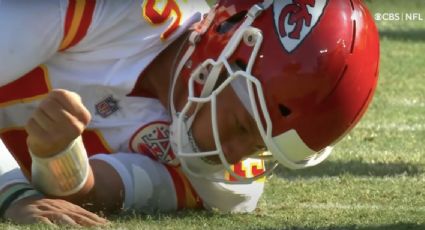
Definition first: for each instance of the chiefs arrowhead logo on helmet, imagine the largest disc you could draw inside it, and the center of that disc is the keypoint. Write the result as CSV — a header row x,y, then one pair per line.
x,y
295,19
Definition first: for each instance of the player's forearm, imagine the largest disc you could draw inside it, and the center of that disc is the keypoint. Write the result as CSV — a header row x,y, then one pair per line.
x,y
69,175
103,190
107,192
60,165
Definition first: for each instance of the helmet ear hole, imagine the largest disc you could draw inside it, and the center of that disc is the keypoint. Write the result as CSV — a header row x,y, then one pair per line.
x,y
231,22
285,111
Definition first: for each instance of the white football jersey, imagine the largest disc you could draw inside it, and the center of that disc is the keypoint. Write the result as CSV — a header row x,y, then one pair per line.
x,y
98,49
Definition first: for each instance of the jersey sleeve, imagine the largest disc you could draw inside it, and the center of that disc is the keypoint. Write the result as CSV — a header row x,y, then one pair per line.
x,y
32,32
151,186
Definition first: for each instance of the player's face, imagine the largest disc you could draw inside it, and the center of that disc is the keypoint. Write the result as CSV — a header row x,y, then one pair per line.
x,y
238,131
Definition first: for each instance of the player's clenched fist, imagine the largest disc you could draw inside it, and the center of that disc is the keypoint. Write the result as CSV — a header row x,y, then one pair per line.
x,y
60,118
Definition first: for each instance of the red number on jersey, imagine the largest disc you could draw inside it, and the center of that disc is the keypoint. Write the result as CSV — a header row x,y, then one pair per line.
x,y
247,168
156,13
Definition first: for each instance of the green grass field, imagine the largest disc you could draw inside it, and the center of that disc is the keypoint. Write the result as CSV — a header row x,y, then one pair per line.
x,y
375,178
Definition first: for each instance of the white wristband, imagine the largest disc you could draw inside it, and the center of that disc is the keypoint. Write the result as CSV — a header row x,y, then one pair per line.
x,y
63,174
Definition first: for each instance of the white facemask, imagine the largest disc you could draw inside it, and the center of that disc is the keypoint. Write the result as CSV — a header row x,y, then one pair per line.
x,y
192,159
188,145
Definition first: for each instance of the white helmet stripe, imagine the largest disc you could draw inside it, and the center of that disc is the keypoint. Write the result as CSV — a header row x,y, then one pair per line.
x,y
291,140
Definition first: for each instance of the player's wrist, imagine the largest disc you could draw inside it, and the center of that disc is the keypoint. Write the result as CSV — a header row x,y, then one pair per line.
x,y
15,193
63,174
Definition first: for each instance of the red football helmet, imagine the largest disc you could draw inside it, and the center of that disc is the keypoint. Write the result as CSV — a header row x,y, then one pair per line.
x,y
305,69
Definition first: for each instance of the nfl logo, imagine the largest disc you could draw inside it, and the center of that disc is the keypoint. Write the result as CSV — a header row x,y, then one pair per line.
x,y
107,107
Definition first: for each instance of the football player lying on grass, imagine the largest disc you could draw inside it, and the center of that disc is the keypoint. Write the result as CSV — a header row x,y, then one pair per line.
x,y
147,106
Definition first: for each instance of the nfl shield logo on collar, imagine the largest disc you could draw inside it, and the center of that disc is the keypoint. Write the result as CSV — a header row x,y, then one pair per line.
x,y
107,107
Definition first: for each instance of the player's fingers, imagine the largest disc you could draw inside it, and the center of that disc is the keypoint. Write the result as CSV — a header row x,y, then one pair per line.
x,y
42,119
67,125
86,220
42,129
92,216
53,109
73,104
61,219
40,220
63,123
34,130
80,213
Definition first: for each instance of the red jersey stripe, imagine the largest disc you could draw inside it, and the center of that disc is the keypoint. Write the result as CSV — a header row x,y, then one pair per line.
x,y
178,185
78,20
15,141
186,195
69,16
85,21
30,87
192,200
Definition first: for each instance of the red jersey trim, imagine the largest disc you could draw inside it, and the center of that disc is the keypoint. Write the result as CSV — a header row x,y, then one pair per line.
x,y
30,87
14,138
77,22
186,195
